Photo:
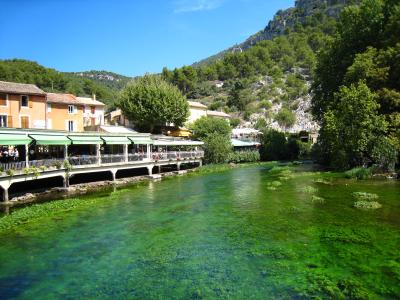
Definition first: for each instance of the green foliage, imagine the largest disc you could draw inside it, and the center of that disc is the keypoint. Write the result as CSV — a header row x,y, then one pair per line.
x,y
365,196
217,148
215,133
243,156
285,118
10,172
359,173
234,122
366,49
23,71
356,120
149,101
206,126
276,146
367,204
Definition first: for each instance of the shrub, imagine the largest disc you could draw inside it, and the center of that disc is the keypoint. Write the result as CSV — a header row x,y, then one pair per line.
x,y
359,173
10,172
243,156
57,164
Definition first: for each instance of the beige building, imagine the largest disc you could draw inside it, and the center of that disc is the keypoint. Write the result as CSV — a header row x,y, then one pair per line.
x,y
22,106
197,110
64,112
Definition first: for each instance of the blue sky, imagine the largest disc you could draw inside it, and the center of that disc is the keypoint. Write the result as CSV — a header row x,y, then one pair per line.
x,y
129,37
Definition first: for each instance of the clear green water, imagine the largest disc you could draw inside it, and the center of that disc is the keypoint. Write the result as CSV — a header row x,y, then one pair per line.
x,y
218,235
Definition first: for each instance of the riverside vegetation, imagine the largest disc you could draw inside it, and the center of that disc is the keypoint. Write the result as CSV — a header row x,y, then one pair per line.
x,y
288,230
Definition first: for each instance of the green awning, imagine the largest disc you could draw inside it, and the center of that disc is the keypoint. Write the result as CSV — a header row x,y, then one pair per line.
x,y
141,140
116,140
44,139
14,139
85,140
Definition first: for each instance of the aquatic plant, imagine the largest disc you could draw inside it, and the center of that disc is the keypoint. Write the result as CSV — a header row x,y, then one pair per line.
x,y
316,199
365,196
43,168
367,204
322,181
359,173
309,190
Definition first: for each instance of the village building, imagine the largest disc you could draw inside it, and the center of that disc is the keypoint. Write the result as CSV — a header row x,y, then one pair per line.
x,y
93,111
197,110
22,106
64,112
117,118
218,114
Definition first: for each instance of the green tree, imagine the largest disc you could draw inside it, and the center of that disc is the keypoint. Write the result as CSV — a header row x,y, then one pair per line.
x,y
150,101
285,118
356,121
216,135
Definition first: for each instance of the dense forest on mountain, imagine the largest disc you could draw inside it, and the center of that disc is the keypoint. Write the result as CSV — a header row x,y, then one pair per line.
x,y
50,80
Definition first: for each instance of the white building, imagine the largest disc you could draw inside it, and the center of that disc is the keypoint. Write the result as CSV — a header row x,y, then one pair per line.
x,y
197,110
93,112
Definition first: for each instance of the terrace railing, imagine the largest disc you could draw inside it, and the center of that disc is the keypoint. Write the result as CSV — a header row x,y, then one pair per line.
x,y
83,160
112,158
136,157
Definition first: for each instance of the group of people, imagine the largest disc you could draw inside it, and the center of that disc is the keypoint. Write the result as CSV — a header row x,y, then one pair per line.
x,y
8,154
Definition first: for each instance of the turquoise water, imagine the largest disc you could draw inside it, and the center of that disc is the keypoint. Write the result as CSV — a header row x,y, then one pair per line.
x,y
231,234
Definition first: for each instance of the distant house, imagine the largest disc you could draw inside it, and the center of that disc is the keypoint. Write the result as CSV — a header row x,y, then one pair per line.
x,y
196,110
218,114
247,135
22,105
93,111
64,112
117,118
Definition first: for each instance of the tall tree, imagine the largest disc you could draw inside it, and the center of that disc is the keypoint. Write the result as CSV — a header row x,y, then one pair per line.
x,y
150,101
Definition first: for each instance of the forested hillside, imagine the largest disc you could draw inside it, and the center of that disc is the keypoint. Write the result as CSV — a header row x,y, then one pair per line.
x,y
268,83
50,80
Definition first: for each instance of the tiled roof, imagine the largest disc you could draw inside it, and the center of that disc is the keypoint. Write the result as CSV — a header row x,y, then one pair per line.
x,y
196,104
89,101
62,98
214,113
20,88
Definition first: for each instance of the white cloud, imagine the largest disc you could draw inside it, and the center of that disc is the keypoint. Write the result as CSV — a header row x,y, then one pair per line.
x,y
183,6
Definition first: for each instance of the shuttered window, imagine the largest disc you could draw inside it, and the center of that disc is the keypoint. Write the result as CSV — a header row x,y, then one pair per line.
x,y
24,122
3,99
3,121
24,101
10,121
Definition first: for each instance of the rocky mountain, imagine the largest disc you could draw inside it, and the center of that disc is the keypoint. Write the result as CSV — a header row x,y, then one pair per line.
x,y
109,79
285,20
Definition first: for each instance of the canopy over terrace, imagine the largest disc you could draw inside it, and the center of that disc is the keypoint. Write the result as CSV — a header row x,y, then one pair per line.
x,y
240,144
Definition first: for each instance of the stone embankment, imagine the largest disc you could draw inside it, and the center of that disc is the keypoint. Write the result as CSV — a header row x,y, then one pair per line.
x,y
84,188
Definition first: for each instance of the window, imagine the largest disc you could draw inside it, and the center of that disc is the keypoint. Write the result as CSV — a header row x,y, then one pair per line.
x,y
24,101
3,121
3,99
93,109
71,109
24,122
48,107
70,125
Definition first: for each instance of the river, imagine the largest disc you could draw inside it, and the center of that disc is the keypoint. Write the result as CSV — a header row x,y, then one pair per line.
x,y
243,233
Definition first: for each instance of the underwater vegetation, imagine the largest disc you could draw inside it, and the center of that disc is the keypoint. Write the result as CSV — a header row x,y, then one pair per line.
x,y
367,204
221,234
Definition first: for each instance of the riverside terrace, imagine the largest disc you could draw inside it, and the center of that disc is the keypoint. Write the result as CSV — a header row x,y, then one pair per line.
x,y
28,155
